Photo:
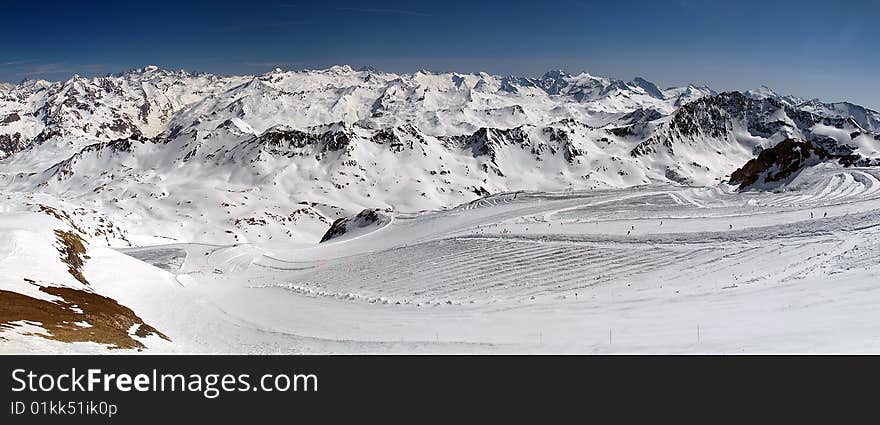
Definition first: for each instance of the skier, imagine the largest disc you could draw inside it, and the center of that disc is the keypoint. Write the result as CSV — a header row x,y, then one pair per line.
x,y
731,227
826,214
811,214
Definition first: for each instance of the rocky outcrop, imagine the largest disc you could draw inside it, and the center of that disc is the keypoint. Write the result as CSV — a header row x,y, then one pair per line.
x,y
789,157
364,219
11,143
11,118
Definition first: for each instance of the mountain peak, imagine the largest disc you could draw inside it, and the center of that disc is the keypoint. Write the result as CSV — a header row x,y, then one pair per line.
x,y
765,92
555,74
341,69
648,86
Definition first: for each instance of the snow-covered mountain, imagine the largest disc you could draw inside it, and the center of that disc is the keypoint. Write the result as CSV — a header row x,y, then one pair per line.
x,y
866,118
285,154
150,101
344,210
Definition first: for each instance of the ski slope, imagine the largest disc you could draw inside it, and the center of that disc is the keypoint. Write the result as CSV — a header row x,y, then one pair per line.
x,y
352,211
653,269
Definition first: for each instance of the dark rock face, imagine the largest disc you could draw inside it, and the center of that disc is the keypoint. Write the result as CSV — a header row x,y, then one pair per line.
x,y
480,191
553,82
290,143
674,175
490,142
385,136
49,132
343,225
790,156
714,117
640,115
398,139
13,117
777,162
10,144
560,140
711,115
336,229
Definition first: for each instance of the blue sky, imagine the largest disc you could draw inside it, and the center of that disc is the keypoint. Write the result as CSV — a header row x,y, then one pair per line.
x,y
825,49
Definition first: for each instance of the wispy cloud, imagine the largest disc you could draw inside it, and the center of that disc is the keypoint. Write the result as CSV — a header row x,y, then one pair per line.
x,y
16,62
384,11
62,68
50,68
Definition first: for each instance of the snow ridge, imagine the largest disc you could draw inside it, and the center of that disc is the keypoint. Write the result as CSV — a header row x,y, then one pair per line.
x,y
239,158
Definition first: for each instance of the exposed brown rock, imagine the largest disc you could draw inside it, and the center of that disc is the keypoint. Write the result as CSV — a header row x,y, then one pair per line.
x,y
109,321
73,253
341,226
777,162
13,117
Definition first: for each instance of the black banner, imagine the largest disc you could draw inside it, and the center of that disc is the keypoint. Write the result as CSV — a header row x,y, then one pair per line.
x,y
138,389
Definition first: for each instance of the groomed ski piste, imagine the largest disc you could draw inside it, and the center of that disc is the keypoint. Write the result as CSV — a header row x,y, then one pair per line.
x,y
648,269
359,211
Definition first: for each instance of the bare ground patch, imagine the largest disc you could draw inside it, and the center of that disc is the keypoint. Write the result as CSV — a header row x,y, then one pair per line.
x,y
73,253
108,322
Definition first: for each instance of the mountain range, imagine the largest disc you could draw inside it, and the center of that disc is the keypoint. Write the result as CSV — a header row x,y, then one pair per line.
x,y
171,155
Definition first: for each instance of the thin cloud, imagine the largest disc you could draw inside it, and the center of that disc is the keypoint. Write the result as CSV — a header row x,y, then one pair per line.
x,y
17,62
50,68
64,68
384,11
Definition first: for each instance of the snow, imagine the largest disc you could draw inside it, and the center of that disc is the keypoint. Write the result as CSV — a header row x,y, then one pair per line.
x,y
516,214
534,272
28,239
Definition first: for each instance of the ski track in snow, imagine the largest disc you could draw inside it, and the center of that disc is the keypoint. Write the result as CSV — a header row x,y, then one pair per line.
x,y
560,272
217,211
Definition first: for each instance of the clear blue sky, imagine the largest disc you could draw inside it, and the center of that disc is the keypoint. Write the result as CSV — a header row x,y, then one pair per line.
x,y
826,49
